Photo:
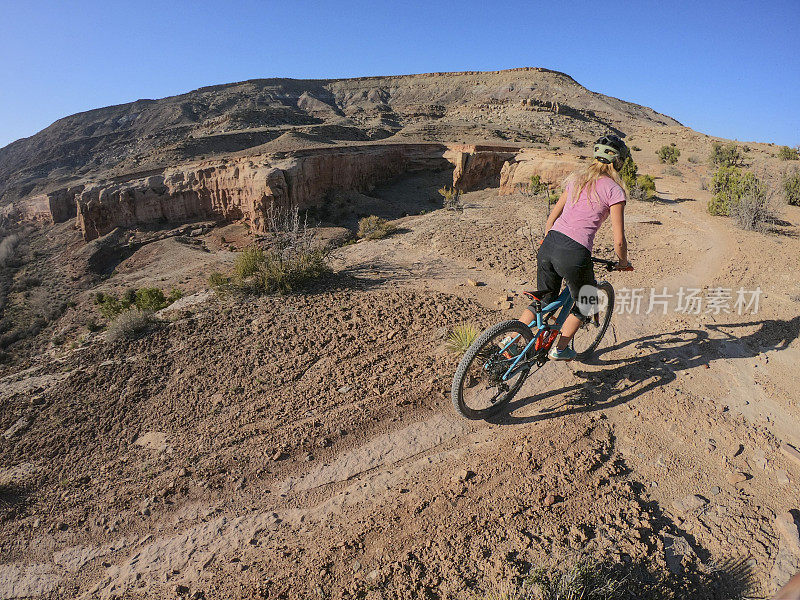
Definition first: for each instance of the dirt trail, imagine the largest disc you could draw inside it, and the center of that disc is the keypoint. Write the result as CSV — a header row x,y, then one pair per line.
x,y
663,449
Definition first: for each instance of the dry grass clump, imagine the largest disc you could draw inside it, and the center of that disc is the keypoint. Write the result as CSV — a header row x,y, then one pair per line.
x,y
130,325
451,198
462,337
374,228
289,261
7,248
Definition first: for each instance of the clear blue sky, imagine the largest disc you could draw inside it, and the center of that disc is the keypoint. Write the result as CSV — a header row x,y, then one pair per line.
x,y
727,68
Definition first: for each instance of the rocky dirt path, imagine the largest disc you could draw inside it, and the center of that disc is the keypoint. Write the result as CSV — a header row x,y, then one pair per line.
x,y
665,449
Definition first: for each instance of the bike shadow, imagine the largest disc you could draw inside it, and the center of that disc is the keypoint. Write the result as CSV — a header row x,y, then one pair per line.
x,y
657,360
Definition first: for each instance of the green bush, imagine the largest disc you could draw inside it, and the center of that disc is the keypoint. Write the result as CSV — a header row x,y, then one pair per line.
x,y
644,188
791,187
374,228
143,299
537,186
266,272
451,198
741,196
636,148
725,156
628,172
668,154
672,170
786,153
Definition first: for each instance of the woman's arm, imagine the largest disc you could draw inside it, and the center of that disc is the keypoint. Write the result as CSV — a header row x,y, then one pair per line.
x,y
558,207
618,226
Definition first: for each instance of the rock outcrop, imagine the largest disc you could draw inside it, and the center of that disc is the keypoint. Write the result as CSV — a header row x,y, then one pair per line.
x,y
478,166
246,188
551,168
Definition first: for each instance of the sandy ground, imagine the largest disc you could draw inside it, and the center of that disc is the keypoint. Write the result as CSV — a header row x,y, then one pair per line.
x,y
305,446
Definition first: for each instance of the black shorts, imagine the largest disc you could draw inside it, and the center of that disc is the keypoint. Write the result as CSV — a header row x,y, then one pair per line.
x,y
560,257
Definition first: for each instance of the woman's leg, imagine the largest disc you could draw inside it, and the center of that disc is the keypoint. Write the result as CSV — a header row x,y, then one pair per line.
x,y
571,325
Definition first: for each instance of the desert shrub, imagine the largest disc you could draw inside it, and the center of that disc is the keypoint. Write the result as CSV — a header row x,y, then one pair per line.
x,y
461,338
143,299
130,325
582,579
741,196
537,186
727,155
727,188
636,148
628,172
754,210
668,154
248,262
791,187
693,159
7,245
644,188
672,170
374,228
786,153
451,198
288,261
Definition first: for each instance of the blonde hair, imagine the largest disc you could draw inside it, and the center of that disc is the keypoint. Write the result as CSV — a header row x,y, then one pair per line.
x,y
586,179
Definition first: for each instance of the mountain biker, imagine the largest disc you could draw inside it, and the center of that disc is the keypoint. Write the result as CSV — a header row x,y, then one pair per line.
x,y
590,195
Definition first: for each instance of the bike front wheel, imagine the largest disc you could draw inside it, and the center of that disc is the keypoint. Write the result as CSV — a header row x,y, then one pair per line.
x,y
482,384
588,337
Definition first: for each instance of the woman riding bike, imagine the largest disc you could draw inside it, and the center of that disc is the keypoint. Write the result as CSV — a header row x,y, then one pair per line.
x,y
590,195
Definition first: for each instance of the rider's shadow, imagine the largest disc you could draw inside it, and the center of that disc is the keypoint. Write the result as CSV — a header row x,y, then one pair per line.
x,y
658,359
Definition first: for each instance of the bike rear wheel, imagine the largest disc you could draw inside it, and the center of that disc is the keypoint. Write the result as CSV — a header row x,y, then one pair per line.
x,y
588,337
478,390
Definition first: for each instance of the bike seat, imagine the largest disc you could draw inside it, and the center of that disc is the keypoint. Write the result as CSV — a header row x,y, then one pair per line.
x,y
537,294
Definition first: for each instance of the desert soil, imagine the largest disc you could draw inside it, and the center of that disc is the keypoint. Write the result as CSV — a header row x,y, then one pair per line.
x,y
305,446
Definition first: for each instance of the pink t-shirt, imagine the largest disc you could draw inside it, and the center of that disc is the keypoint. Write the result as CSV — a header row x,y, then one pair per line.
x,y
580,220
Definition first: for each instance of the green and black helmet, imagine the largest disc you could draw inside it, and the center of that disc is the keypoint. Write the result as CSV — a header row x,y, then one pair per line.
x,y
609,148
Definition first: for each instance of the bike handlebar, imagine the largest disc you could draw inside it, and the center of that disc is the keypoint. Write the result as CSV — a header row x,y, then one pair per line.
x,y
611,265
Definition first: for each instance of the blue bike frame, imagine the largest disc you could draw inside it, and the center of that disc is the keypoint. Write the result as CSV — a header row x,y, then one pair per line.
x,y
564,302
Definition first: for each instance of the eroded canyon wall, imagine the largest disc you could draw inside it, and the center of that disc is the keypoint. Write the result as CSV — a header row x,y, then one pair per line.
x,y
247,187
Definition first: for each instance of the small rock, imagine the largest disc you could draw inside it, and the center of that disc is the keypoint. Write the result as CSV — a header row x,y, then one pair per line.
x,y
505,305
782,477
61,526
181,590
791,452
344,389
689,503
464,475
737,477
549,500
715,490
19,426
279,455
760,460
473,283
786,526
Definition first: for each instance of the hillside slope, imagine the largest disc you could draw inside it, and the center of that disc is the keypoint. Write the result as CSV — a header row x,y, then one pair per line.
x,y
524,105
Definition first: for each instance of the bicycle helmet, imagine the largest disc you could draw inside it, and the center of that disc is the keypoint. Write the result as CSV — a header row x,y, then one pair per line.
x,y
609,148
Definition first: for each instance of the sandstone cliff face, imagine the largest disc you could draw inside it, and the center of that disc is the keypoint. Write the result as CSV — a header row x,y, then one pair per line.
x,y
246,188
479,165
55,207
551,168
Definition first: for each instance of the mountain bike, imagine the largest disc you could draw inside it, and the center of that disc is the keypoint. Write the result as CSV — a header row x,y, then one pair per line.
x,y
499,361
